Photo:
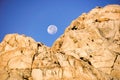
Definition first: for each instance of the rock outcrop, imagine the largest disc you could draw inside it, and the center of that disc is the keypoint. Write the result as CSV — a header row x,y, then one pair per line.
x,y
88,50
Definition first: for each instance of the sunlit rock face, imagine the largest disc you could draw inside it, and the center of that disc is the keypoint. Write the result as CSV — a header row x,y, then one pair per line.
x,y
94,37
89,49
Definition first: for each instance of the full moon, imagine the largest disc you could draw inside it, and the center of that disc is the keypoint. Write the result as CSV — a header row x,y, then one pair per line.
x,y
52,29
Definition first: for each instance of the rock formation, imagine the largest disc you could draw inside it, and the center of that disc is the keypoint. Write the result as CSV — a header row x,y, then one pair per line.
x,y
89,49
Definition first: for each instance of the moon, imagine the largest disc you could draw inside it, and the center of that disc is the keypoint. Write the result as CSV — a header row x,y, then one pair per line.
x,y
52,29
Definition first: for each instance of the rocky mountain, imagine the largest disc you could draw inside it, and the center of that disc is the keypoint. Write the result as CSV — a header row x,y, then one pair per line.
x,y
89,49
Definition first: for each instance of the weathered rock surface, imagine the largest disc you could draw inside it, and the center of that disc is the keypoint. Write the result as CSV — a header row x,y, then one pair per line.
x,y
88,50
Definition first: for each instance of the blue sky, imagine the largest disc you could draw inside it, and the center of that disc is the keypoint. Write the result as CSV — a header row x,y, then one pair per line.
x,y
32,17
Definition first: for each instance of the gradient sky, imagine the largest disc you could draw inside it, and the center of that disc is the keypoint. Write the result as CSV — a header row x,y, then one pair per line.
x,y
32,17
